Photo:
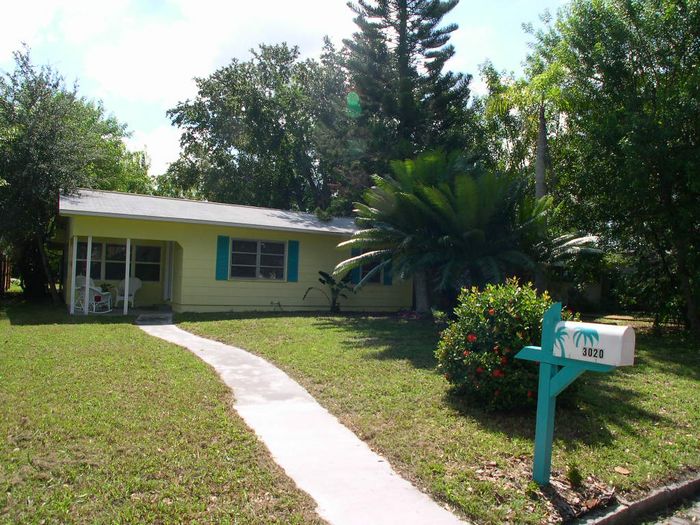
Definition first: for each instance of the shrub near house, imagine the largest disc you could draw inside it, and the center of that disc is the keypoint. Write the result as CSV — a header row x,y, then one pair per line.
x,y
476,350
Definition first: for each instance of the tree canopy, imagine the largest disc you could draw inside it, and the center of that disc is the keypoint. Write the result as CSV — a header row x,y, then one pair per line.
x,y
52,141
267,131
628,162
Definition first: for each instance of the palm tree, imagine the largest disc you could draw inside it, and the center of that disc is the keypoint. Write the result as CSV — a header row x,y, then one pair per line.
x,y
443,221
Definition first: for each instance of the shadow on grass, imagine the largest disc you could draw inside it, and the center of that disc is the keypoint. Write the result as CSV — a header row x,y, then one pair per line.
x,y
393,336
674,353
22,312
599,405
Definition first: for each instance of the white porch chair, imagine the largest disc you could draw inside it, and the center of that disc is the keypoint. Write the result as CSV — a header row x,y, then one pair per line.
x,y
80,282
134,286
99,302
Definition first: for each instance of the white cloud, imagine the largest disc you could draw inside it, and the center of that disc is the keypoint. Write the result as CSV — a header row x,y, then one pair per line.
x,y
162,144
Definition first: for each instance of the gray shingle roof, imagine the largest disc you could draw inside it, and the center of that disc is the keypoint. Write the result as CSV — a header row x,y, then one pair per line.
x,y
133,206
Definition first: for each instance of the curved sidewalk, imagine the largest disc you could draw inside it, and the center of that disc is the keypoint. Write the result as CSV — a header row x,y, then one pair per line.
x,y
351,484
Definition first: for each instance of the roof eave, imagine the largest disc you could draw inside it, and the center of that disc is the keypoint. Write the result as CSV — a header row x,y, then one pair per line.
x,y
69,213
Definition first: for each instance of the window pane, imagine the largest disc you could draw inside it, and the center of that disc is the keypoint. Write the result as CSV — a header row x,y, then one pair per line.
x,y
115,252
96,251
272,247
271,273
95,269
242,271
147,272
114,271
272,260
244,246
244,258
148,254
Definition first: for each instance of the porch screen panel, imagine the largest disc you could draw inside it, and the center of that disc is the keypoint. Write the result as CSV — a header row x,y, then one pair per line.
x,y
115,258
147,263
96,260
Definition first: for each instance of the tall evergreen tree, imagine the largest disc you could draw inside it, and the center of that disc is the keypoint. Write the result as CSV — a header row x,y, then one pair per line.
x,y
396,61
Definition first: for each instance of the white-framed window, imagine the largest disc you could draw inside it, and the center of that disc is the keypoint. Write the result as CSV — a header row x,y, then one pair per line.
x,y
253,259
108,261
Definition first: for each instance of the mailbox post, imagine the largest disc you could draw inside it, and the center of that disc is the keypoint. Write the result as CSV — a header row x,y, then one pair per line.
x,y
568,350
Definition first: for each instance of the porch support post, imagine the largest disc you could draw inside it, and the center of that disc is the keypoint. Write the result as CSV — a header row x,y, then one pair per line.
x,y
88,261
126,277
74,266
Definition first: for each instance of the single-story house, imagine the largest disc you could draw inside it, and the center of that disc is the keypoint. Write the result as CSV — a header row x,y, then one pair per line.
x,y
208,257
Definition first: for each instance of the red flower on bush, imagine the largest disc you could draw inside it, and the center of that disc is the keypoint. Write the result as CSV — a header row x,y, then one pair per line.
x,y
471,338
479,370
504,360
466,353
492,311
498,373
529,394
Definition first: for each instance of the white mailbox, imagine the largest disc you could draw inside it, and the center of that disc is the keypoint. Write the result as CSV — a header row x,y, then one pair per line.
x,y
597,343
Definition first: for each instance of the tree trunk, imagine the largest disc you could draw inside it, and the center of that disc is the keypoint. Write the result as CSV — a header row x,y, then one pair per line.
x,y
420,283
47,272
691,308
541,158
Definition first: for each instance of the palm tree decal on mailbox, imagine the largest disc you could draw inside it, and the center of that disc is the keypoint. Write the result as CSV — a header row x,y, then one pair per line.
x,y
559,337
589,335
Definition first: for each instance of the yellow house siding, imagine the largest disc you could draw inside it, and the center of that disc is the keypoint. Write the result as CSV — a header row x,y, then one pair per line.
x,y
195,287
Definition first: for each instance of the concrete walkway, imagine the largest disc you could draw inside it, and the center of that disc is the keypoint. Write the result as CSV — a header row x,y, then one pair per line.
x,y
351,484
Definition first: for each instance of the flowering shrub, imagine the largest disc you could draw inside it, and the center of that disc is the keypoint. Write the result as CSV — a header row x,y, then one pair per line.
x,y
476,350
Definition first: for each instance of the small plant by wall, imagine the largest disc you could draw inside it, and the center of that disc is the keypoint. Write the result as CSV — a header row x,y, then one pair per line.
x,y
335,289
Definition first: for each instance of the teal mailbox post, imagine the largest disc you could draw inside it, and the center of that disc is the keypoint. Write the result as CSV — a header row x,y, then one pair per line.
x,y
568,350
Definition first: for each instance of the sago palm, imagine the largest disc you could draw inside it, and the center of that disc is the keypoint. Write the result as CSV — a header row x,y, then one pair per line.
x,y
439,218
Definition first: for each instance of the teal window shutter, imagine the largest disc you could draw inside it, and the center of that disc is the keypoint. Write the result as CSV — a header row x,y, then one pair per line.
x,y
355,273
292,261
222,256
387,275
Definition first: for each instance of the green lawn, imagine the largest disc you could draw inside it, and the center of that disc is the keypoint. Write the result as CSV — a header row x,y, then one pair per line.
x,y
104,424
378,376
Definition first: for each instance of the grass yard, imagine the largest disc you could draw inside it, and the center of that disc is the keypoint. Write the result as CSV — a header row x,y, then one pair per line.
x,y
378,376
104,424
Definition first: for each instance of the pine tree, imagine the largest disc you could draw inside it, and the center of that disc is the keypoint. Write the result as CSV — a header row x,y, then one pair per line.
x,y
396,61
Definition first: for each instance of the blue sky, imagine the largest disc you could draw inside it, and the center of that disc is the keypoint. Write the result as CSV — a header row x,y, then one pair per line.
x,y
139,56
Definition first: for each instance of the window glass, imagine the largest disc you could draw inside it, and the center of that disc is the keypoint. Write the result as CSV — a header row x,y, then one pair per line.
x,y
114,271
115,252
272,260
242,271
149,254
257,259
96,251
246,259
272,247
271,273
95,269
244,246
147,271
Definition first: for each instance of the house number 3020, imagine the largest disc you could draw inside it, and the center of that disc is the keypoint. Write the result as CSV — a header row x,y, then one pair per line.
x,y
593,352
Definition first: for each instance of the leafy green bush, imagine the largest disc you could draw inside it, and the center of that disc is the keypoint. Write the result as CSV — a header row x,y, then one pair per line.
x,y
476,350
